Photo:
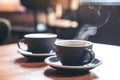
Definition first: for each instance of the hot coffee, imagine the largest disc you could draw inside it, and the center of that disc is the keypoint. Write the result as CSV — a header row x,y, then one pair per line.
x,y
75,43
74,52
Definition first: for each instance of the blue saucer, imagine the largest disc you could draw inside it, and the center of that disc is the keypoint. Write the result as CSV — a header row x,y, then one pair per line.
x,y
33,55
54,62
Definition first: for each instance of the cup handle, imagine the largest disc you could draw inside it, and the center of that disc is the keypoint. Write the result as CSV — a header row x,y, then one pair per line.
x,y
92,55
19,43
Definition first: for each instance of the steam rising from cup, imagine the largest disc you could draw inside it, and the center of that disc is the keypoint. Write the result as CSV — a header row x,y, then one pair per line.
x,y
88,30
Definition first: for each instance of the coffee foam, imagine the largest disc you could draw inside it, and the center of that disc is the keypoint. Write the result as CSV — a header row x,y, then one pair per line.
x,y
40,35
73,43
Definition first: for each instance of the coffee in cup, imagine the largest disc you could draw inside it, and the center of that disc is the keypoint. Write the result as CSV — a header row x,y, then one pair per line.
x,y
74,52
38,42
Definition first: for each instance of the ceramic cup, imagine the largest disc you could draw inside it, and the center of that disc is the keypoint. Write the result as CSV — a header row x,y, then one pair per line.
x,y
38,42
74,52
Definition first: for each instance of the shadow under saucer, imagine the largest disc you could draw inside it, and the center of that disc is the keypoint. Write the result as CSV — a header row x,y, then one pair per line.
x,y
62,73
55,74
24,62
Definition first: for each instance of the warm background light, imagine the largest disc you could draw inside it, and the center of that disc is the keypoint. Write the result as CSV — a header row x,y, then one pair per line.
x,y
11,5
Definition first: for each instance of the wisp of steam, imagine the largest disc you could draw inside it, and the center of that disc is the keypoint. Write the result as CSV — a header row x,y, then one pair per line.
x,y
90,29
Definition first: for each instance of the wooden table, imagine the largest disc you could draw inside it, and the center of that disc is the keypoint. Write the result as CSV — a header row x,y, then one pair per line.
x,y
13,66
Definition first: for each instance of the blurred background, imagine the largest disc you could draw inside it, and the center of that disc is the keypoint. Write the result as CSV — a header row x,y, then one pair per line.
x,y
94,20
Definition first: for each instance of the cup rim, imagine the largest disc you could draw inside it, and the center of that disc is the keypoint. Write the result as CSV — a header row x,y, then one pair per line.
x,y
61,43
40,35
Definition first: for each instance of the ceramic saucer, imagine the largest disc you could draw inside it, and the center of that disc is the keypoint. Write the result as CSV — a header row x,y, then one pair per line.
x,y
54,62
34,55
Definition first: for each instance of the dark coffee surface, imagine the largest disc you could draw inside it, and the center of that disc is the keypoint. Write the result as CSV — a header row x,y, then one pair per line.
x,y
76,44
73,43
